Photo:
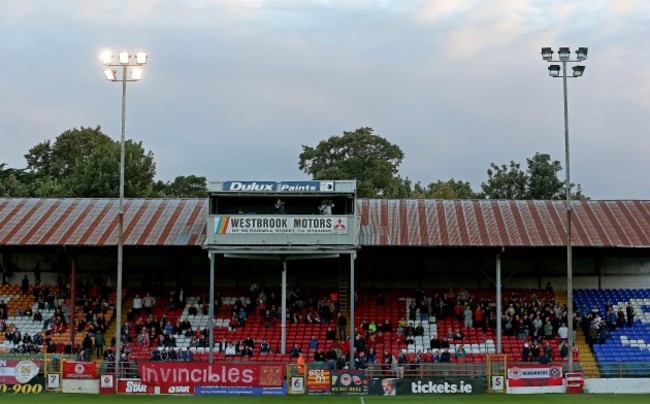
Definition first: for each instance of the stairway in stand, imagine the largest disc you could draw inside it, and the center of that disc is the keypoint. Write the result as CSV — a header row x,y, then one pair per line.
x,y
587,360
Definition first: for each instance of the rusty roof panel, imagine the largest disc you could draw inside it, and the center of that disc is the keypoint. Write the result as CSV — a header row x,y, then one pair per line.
x,y
444,223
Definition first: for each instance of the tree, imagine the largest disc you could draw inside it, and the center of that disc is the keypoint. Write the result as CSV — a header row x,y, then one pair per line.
x,y
189,186
85,163
505,182
540,181
543,182
360,155
451,189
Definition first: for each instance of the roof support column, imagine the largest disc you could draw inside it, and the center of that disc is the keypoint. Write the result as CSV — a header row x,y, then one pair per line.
x,y
499,301
211,309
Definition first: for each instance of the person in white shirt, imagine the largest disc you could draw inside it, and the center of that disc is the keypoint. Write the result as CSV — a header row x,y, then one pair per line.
x,y
137,303
563,332
147,302
230,349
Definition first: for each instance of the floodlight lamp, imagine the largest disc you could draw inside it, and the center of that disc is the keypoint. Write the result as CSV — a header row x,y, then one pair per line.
x,y
136,73
564,53
554,70
547,54
124,58
141,57
106,57
578,71
110,74
582,53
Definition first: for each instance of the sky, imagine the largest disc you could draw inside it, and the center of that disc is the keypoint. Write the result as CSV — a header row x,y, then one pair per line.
x,y
233,88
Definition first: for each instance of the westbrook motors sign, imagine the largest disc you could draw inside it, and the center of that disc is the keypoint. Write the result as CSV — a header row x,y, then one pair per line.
x,y
280,225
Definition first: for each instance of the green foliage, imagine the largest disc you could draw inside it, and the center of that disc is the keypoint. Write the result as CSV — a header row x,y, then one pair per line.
x,y
83,163
540,181
190,186
451,189
360,155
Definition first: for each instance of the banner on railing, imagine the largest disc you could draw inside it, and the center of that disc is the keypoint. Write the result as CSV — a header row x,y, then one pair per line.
x,y
79,370
534,375
13,371
211,374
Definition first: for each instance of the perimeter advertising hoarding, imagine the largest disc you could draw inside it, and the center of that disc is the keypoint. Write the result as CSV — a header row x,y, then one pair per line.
x,y
13,371
428,386
534,375
336,382
35,385
211,374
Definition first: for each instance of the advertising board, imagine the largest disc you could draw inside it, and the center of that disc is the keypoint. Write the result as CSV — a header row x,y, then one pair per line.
x,y
428,386
211,374
535,375
15,371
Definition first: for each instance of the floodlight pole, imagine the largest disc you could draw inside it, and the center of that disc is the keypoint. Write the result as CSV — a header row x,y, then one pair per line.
x,y
564,58
127,62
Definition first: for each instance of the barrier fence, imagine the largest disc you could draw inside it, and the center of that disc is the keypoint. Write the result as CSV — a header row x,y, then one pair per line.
x,y
33,374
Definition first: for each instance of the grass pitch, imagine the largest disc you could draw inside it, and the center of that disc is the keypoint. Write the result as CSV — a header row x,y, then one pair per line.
x,y
455,399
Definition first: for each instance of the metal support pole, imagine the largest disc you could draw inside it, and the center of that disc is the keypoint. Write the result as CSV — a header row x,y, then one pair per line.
x,y
499,304
283,317
211,309
120,237
351,336
569,252
73,300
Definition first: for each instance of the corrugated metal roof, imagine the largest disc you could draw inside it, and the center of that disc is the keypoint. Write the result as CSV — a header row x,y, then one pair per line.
x,y
484,223
93,222
504,223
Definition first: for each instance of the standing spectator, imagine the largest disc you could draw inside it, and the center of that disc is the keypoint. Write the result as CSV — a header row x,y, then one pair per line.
x,y
342,325
25,285
468,317
629,310
563,332
87,345
525,352
100,341
147,302
37,274
137,304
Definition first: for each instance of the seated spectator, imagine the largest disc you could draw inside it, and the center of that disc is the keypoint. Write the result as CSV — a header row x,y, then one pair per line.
x,y
387,326
445,356
155,355
319,356
265,347
361,362
313,342
185,355
230,349
295,351
330,334
246,351
458,335
38,316
460,352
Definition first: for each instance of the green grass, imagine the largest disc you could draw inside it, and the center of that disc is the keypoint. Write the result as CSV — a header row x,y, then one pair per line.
x,y
480,398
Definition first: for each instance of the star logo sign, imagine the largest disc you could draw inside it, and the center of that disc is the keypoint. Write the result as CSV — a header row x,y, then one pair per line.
x,y
339,226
